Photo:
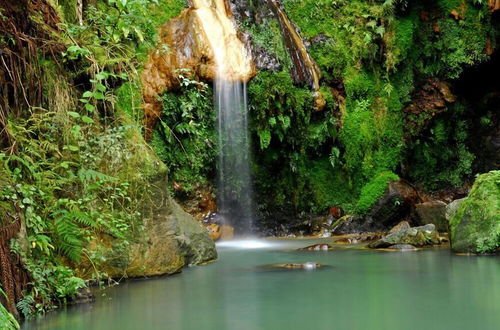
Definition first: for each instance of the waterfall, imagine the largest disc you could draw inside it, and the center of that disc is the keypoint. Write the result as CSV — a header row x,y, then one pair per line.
x,y
234,184
233,67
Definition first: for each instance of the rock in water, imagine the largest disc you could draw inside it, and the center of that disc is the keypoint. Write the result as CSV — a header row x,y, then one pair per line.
x,y
417,236
475,226
403,225
403,247
433,212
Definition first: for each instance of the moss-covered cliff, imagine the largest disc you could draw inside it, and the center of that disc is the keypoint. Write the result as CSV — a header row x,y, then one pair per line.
x,y
403,99
80,188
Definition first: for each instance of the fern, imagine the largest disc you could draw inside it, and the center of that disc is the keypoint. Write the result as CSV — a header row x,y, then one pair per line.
x,y
88,175
69,235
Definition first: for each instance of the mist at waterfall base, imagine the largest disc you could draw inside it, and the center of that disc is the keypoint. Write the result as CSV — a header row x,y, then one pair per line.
x,y
234,186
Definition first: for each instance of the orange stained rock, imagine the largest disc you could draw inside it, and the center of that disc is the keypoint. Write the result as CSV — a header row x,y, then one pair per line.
x,y
304,67
198,40
494,5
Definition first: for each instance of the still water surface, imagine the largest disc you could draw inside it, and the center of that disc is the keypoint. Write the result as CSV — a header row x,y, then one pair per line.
x,y
360,289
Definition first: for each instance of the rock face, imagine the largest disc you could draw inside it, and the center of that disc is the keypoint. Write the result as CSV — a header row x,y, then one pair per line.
x,y
433,212
172,239
416,236
452,208
304,68
395,205
494,5
475,225
189,42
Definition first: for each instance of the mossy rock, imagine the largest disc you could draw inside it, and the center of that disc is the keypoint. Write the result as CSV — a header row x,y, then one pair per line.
x,y
475,227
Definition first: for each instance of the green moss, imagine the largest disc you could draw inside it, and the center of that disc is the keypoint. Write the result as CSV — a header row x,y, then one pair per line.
x,y
129,100
373,190
475,227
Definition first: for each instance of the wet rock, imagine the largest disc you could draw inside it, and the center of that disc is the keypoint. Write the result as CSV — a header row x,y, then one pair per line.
x,y
186,43
494,5
433,212
428,100
306,265
452,208
475,225
264,60
403,225
350,224
417,236
171,240
403,247
226,232
357,239
316,247
396,204
304,68
214,231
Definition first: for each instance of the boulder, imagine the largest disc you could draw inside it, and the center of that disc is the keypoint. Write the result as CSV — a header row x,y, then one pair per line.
x,y
452,208
214,231
170,240
403,225
394,205
432,212
416,236
475,225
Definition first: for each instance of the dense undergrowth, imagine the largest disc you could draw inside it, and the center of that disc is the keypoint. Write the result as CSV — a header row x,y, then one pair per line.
x,y
374,56
75,165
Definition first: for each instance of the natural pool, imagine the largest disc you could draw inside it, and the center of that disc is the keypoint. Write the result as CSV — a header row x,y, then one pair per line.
x,y
361,289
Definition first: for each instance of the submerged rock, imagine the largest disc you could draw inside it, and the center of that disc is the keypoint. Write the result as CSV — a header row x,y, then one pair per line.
x,y
433,212
475,224
306,265
316,247
417,236
403,247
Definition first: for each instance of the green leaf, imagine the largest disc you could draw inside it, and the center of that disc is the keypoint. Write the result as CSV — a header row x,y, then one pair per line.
x,y
87,94
84,100
98,96
138,32
89,107
74,114
87,120
101,76
101,87
72,148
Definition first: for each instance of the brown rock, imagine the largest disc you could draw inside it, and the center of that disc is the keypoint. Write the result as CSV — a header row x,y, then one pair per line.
x,y
187,42
403,225
316,247
227,232
214,231
494,5
433,212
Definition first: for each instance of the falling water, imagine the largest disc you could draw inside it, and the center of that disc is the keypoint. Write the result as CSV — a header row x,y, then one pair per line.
x,y
233,68
234,185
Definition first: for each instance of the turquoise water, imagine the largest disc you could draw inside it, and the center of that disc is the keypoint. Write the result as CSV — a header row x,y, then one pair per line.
x,y
360,289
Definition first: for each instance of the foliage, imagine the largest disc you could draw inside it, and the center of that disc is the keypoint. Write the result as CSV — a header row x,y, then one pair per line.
x,y
373,190
475,227
7,321
185,136
442,151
